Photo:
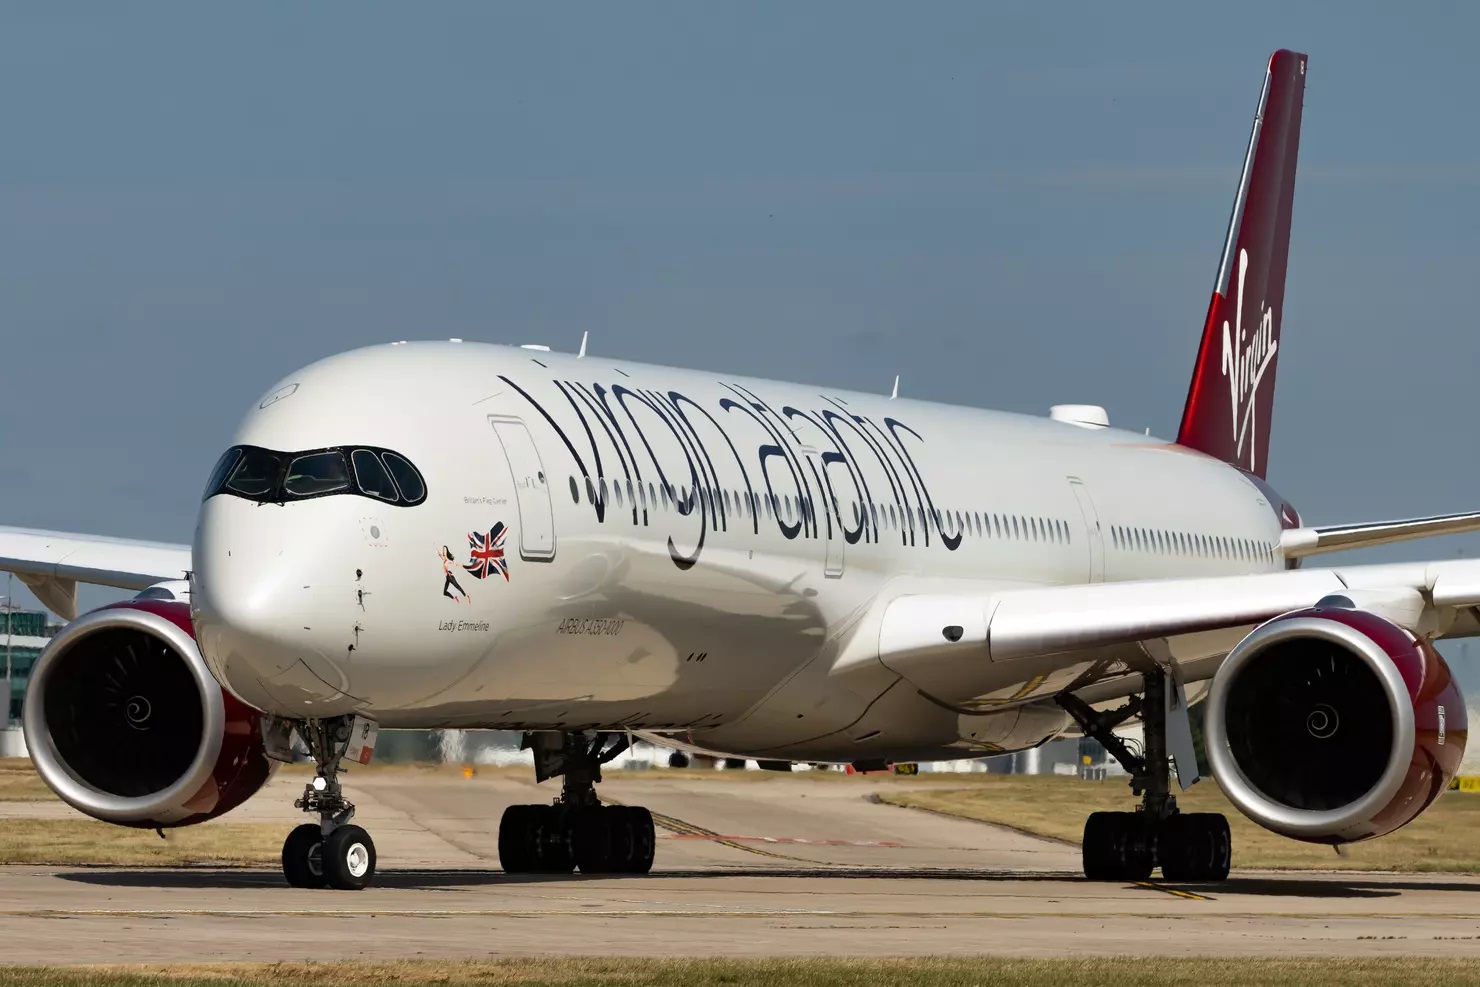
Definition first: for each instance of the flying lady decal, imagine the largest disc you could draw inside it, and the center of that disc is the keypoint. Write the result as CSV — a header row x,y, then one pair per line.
x,y
450,587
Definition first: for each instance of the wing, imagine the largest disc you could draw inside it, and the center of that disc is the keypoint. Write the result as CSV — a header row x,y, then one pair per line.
x,y
980,647
1299,542
52,563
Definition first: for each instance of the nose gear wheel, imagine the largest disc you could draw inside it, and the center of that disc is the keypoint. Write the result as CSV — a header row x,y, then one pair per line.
x,y
330,853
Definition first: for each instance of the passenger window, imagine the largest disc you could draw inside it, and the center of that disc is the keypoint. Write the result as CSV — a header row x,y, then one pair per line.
x,y
413,490
371,476
315,474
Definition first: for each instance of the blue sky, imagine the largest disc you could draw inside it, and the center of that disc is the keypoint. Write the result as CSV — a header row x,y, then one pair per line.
x,y
1010,205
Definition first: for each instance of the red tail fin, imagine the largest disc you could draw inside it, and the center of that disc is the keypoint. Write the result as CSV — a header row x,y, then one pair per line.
x,y
1232,393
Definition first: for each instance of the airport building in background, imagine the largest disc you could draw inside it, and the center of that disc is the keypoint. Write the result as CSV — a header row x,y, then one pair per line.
x,y
23,633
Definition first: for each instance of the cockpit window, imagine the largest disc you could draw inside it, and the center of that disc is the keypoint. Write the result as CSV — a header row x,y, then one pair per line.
x,y
370,475
407,478
256,473
268,477
317,474
222,470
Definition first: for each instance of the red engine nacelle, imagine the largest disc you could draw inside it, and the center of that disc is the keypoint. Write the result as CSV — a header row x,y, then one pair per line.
x,y
1333,725
125,722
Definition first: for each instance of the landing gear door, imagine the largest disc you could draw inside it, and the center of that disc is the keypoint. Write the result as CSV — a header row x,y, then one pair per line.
x,y
531,489
1093,535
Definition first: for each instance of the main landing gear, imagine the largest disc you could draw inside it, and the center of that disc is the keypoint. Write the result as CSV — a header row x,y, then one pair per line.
x,y
331,852
577,831
1127,846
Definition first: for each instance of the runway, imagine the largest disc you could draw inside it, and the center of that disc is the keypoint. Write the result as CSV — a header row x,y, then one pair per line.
x,y
782,865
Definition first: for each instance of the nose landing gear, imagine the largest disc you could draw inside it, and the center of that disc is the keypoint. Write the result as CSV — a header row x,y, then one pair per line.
x,y
332,852
1127,846
577,831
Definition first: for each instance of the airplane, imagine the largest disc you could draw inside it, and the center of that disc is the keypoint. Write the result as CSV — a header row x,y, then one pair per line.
x,y
449,534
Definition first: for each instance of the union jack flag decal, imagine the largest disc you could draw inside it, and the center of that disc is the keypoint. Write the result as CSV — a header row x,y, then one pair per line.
x,y
487,550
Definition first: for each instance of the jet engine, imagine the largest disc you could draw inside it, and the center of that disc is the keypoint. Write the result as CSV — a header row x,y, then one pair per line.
x,y
125,722
1333,725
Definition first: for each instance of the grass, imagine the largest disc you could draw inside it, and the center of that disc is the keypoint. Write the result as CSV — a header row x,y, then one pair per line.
x,y
71,842
820,972
1445,838
19,782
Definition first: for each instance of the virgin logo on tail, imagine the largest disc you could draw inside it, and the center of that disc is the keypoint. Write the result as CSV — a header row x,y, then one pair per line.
x,y
1245,360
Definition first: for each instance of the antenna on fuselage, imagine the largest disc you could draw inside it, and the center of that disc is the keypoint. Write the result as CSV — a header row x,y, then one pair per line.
x,y
583,344
895,393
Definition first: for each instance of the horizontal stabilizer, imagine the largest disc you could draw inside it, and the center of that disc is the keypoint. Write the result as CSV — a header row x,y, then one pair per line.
x,y
1299,542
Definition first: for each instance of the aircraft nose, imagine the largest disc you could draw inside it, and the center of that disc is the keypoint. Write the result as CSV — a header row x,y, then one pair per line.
x,y
273,617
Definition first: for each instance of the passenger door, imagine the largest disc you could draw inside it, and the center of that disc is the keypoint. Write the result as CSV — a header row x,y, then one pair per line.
x,y
531,489
1092,530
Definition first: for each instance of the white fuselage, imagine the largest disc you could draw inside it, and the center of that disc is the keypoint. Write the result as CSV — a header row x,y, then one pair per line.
x,y
686,553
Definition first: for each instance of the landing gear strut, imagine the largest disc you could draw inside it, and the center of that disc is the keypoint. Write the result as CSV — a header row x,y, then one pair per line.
x,y
331,852
577,831
1127,846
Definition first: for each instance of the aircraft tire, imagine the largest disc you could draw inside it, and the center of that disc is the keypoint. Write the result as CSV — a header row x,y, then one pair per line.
x,y
518,847
554,838
1114,848
349,859
1195,847
592,839
644,840
303,864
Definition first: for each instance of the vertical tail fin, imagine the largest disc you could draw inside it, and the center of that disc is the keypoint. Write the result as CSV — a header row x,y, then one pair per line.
x,y
1232,393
